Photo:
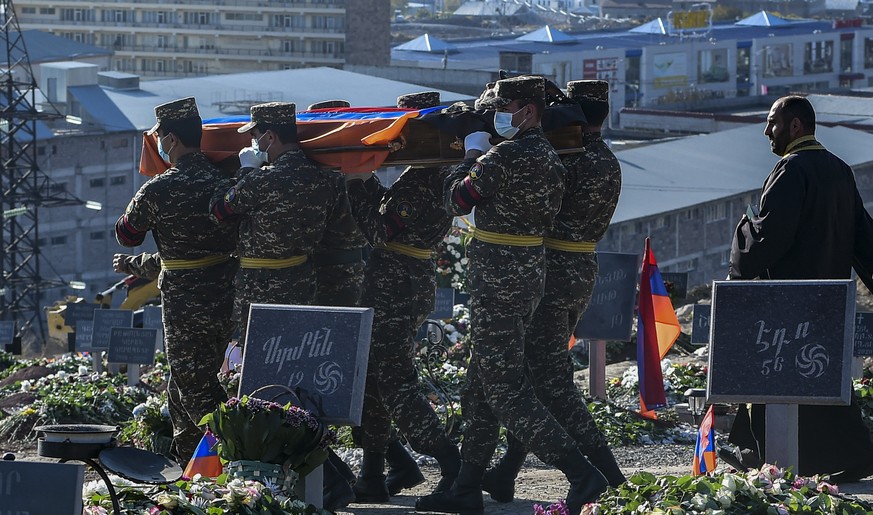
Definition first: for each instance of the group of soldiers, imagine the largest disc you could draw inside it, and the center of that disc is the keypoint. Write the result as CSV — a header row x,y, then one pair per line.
x,y
284,231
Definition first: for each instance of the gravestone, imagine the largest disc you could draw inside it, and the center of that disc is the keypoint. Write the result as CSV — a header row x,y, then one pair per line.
x,y
152,319
609,315
320,353
700,324
104,321
676,284
132,345
79,311
444,304
781,342
84,333
33,488
863,335
7,332
14,348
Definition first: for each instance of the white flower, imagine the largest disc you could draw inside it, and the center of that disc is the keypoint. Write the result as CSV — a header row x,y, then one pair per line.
x,y
139,410
464,261
165,411
458,267
62,374
729,483
83,370
25,385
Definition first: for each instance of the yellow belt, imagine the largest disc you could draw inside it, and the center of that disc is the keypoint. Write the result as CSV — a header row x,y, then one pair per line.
x,y
407,250
569,246
187,264
506,239
271,264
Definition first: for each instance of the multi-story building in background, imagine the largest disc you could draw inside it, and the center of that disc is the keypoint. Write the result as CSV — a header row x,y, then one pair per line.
x,y
206,37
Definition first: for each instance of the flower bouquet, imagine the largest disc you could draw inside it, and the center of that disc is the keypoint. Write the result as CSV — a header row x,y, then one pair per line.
x,y
252,431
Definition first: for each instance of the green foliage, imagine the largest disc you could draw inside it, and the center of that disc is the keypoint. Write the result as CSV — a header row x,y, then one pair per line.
x,y
769,490
151,427
626,427
864,396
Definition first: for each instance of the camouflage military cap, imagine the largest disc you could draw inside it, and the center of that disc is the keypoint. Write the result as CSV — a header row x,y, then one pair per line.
x,y
515,88
594,90
271,113
329,104
182,109
421,100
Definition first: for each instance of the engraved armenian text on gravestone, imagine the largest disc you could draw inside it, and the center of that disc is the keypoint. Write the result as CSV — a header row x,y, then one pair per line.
x,y
132,345
319,353
700,324
609,315
74,313
84,334
104,321
444,303
781,342
863,334
36,488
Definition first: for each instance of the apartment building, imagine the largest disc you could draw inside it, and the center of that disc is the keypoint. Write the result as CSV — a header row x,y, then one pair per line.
x,y
208,37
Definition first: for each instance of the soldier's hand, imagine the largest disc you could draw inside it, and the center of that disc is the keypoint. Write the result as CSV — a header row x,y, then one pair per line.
x,y
350,177
119,263
480,141
250,158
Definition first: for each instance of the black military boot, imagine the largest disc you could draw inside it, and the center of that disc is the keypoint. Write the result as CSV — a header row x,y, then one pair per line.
x,y
341,467
586,482
370,485
499,480
337,492
449,459
604,460
464,497
403,471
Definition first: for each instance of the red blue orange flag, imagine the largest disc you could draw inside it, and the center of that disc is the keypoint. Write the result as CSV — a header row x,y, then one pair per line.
x,y
205,460
657,330
704,451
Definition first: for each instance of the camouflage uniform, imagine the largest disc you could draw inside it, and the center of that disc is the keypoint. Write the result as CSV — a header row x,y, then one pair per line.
x,y
195,280
591,189
339,258
283,210
516,189
145,265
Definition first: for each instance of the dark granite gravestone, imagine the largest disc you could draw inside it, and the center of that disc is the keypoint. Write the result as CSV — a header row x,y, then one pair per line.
x,y
79,311
444,303
104,321
84,333
152,319
36,488
7,332
781,342
320,353
609,315
14,348
676,284
863,334
132,345
700,323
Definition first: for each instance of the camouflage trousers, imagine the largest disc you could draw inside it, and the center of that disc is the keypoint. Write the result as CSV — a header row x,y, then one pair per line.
x,y
339,285
401,291
570,279
197,306
292,285
498,389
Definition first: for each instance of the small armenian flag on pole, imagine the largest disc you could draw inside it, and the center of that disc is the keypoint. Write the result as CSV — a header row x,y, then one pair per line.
x,y
205,460
704,451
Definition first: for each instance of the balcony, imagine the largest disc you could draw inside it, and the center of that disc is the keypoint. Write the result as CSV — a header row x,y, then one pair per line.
x,y
182,53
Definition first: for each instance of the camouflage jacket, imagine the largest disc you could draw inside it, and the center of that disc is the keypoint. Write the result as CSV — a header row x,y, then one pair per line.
x,y
283,208
343,233
516,186
410,211
175,207
591,188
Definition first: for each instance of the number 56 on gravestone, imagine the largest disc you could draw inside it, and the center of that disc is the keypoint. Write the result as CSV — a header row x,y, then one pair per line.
x,y
320,353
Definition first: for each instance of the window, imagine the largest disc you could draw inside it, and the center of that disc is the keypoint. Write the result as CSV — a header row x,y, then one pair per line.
x,y
98,235
97,183
47,10
715,212
118,180
119,143
287,46
516,62
59,240
58,187
818,57
726,257
28,10
712,65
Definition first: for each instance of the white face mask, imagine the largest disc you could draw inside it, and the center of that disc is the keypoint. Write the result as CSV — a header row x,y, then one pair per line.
x,y
503,124
256,145
165,155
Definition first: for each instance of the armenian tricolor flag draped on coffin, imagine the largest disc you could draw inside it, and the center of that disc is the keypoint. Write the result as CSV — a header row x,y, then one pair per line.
x,y
657,330
361,139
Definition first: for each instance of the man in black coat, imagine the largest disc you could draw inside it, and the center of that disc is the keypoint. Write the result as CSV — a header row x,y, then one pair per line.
x,y
812,225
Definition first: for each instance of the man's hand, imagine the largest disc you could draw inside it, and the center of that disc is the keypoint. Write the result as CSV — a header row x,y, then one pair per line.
x,y
119,263
480,141
350,177
250,158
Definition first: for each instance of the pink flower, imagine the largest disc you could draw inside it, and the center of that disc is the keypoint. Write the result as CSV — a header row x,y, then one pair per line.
x,y
827,488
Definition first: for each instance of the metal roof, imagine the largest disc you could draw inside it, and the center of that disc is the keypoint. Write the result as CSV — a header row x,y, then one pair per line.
x,y
763,19
426,43
94,101
490,48
223,95
43,47
678,174
547,34
488,8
